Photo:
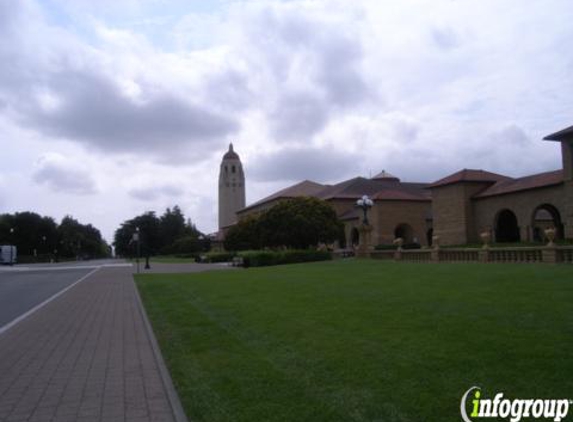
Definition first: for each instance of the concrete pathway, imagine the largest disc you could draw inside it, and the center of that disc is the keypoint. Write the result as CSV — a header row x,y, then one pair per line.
x,y
88,355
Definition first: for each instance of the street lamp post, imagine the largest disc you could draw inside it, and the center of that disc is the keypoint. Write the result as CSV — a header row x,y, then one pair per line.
x,y
137,240
12,246
365,229
365,203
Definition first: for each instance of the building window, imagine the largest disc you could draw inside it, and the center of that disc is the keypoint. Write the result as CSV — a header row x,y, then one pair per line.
x,y
233,169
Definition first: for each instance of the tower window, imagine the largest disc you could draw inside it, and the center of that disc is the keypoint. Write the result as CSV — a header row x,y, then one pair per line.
x,y
233,169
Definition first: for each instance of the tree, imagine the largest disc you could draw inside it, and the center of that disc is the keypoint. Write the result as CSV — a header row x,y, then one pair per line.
x,y
295,223
149,232
170,233
80,240
246,234
299,223
29,232
35,235
171,226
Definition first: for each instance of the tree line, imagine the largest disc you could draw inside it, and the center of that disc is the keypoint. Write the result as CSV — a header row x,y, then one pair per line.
x,y
40,237
170,233
297,223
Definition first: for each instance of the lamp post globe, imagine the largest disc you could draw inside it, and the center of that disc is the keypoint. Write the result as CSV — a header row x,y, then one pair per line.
x,y
365,203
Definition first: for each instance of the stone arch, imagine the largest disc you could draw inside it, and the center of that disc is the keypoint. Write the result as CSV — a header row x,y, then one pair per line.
x,y
405,231
506,227
543,217
355,236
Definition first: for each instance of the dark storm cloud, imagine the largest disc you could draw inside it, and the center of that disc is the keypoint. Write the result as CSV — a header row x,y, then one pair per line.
x,y
318,164
60,177
92,109
152,193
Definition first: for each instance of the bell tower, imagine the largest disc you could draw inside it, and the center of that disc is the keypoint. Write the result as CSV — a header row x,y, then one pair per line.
x,y
231,188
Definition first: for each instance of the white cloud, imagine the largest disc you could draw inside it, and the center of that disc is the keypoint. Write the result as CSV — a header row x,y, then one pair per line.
x,y
145,93
152,193
63,175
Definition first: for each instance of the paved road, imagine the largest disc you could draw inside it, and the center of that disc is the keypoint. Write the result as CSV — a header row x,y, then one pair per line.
x,y
21,290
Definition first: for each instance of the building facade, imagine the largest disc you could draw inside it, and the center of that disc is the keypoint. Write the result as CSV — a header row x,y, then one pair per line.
x,y
456,208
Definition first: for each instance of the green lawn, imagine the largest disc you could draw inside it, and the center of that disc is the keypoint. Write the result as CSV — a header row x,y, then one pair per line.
x,y
359,340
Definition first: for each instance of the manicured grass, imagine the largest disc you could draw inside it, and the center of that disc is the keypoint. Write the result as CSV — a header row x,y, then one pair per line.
x,y
362,340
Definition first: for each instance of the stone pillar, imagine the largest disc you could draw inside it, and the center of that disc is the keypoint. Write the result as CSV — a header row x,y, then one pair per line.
x,y
483,255
365,243
524,233
435,254
567,219
549,255
398,254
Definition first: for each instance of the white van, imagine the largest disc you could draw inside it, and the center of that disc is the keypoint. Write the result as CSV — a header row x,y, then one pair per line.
x,y
8,254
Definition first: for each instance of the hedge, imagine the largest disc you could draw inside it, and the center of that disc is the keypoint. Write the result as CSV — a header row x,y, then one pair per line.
x,y
268,258
219,256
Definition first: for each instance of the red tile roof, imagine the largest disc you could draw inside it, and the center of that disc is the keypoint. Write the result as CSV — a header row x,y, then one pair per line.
x,y
381,189
523,183
566,133
304,188
469,175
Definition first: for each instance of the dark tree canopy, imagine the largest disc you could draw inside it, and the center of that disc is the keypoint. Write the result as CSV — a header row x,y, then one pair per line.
x,y
34,234
169,233
244,235
297,223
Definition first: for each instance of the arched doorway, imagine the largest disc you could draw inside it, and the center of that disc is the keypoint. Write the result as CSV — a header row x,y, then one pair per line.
x,y
405,231
355,236
544,217
506,228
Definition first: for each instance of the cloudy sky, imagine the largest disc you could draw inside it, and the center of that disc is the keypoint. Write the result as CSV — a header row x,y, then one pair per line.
x,y
112,108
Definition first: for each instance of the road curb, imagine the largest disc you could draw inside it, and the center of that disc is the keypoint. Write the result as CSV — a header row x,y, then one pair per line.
x,y
172,395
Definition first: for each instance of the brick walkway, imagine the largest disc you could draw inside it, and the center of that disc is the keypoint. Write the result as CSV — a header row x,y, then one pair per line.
x,y
86,356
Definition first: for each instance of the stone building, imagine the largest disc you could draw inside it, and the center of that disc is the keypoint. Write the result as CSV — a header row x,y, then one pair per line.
x,y
470,202
457,208
400,209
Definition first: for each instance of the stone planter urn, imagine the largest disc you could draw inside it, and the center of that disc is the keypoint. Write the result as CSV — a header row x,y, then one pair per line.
x,y
399,242
485,238
550,235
